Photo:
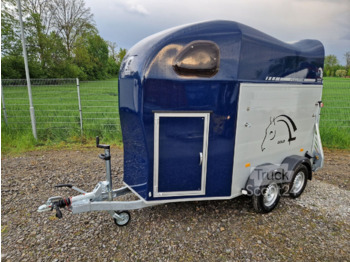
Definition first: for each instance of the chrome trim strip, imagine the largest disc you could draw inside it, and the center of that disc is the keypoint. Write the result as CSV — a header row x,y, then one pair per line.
x,y
156,192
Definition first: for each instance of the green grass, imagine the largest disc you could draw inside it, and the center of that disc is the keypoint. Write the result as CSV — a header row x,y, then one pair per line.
x,y
57,115
58,121
335,116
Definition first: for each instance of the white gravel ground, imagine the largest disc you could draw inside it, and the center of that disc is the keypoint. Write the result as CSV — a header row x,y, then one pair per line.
x,y
327,199
314,227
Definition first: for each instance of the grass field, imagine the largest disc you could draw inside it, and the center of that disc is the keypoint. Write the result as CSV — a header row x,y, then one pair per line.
x,y
57,113
58,119
335,116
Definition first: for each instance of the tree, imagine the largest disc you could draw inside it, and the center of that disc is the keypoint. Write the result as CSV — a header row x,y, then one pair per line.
x,y
36,20
119,58
39,14
91,55
57,62
330,61
10,34
61,38
71,20
122,52
115,58
347,59
12,67
98,51
112,49
331,65
112,67
38,23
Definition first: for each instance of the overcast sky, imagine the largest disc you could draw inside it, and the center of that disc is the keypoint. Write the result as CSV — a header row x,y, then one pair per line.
x,y
128,21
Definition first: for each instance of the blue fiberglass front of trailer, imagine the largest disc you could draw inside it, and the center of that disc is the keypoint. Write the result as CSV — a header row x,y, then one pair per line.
x,y
148,84
143,93
138,143
220,99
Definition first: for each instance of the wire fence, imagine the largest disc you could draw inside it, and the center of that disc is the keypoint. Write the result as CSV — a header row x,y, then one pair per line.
x,y
62,106
336,99
66,107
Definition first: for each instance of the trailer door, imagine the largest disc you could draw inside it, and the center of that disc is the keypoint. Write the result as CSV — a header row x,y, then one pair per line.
x,y
180,153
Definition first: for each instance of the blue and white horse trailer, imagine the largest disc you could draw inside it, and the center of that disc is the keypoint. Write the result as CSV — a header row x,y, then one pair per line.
x,y
214,110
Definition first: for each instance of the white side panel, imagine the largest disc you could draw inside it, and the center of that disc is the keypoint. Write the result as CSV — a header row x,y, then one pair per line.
x,y
274,121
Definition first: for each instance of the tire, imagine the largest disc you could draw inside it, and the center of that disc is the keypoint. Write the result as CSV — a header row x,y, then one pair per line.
x,y
125,218
268,199
299,181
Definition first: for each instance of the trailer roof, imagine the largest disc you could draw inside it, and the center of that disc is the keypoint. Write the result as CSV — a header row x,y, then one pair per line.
x,y
248,54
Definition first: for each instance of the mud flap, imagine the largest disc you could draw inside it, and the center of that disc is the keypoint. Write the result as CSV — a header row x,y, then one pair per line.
x,y
264,175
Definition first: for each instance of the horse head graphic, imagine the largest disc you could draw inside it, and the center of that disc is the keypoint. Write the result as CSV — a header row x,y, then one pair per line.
x,y
274,128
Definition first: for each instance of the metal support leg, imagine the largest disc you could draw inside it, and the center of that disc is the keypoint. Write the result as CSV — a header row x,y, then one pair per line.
x,y
109,174
106,157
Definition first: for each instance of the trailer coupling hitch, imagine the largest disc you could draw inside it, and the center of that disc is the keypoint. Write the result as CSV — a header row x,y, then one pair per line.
x,y
55,203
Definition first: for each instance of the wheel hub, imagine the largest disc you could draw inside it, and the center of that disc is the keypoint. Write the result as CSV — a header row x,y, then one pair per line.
x,y
298,182
122,218
271,194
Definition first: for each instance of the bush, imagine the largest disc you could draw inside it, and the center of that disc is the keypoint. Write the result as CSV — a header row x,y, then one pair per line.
x,y
340,73
12,67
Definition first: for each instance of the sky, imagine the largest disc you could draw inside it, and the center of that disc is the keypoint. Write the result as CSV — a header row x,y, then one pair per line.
x,y
126,22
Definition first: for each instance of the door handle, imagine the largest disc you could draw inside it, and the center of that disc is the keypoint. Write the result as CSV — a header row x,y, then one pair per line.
x,y
200,158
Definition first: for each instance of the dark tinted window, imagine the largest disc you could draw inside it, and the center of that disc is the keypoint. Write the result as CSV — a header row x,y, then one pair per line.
x,y
199,58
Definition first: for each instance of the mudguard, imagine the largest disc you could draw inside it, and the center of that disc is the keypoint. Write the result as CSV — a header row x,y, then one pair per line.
x,y
265,174
290,163
262,176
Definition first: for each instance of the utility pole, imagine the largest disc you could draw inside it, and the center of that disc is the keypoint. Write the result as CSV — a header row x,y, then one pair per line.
x,y
31,107
3,105
80,112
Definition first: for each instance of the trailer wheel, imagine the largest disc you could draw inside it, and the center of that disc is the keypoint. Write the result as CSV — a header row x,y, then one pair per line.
x,y
124,218
268,199
299,181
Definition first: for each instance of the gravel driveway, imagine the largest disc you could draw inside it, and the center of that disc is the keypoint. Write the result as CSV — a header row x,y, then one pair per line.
x,y
315,227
